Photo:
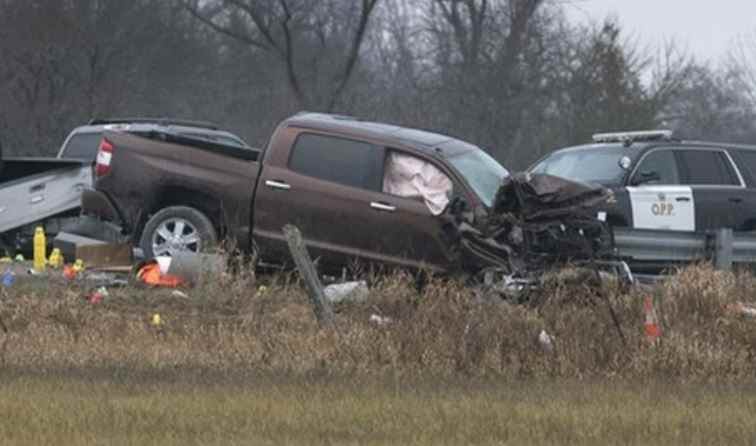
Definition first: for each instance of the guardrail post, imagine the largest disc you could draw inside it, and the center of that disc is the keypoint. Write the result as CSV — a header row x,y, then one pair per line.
x,y
723,240
320,305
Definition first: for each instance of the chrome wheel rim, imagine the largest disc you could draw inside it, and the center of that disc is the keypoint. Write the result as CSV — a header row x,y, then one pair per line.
x,y
175,235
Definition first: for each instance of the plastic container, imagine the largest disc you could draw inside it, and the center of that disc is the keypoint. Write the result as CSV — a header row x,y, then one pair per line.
x,y
40,250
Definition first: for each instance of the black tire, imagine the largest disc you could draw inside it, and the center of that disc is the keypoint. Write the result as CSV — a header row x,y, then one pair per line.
x,y
165,219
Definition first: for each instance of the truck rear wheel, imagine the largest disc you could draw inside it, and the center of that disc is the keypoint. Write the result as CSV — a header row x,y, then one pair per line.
x,y
177,228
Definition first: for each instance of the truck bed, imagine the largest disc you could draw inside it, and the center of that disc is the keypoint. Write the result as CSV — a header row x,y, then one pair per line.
x,y
33,189
151,173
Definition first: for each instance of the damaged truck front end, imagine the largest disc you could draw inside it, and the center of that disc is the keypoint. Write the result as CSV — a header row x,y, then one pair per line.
x,y
536,223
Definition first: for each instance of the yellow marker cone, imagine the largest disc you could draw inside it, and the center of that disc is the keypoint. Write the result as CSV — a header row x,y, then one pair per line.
x,y
40,250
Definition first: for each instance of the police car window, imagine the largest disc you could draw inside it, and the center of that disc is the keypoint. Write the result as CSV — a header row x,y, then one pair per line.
x,y
83,146
748,160
658,167
707,167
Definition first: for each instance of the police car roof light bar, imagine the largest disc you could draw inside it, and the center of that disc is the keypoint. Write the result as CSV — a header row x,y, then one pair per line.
x,y
630,137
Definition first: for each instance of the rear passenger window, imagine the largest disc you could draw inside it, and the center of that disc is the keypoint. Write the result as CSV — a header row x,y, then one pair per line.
x,y
83,146
343,161
707,167
747,163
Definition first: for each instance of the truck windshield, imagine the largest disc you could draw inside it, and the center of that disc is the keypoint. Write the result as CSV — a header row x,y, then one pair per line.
x,y
483,173
600,165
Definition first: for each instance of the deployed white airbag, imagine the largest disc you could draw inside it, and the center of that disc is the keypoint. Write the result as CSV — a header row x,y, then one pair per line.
x,y
410,177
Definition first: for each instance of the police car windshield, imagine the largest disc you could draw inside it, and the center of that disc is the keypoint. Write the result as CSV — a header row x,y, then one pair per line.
x,y
595,165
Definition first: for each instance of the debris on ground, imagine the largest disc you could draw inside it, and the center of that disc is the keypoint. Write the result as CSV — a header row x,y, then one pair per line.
x,y
742,309
153,274
347,292
73,271
8,278
35,272
546,341
180,294
96,253
69,272
380,320
182,268
98,296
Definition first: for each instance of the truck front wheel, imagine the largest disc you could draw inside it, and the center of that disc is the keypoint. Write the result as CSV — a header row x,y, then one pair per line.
x,y
177,228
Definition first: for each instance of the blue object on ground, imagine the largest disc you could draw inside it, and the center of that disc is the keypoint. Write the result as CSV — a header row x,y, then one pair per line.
x,y
8,278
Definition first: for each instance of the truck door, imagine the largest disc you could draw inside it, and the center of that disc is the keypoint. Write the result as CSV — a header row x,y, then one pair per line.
x,y
415,192
326,190
657,198
718,190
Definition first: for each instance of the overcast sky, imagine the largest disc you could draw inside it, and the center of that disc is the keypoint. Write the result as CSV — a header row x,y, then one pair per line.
x,y
705,28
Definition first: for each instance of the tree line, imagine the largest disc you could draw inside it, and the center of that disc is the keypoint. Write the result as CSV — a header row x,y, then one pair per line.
x,y
513,76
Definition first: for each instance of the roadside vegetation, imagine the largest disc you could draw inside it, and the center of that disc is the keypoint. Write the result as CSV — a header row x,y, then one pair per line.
x,y
240,361
448,329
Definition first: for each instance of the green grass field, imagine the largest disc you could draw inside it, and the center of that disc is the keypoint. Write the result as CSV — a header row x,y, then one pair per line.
x,y
190,408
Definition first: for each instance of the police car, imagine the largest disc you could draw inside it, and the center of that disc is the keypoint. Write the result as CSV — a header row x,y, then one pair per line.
x,y
664,183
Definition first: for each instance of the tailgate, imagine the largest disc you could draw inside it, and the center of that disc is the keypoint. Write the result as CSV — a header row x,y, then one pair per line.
x,y
31,199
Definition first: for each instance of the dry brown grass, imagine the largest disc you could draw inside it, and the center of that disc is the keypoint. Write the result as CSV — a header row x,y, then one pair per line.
x,y
445,331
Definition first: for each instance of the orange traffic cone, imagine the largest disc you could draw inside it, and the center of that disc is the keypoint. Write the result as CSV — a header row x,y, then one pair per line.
x,y
653,329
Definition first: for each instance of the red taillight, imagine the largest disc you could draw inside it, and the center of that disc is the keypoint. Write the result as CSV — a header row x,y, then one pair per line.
x,y
104,156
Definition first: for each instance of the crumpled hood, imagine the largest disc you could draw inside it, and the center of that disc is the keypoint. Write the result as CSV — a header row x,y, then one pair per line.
x,y
533,196
537,222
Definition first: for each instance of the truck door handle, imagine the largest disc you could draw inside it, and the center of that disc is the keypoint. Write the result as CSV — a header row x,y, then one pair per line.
x,y
382,206
37,188
280,185
736,200
682,198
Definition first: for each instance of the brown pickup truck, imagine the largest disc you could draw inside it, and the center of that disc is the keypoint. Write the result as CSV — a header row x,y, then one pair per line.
x,y
357,190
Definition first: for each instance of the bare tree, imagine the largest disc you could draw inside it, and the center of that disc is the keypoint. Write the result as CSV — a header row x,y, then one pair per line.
x,y
742,60
285,28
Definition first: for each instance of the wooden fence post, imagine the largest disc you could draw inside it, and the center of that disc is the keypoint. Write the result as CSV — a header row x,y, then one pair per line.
x,y
320,305
723,249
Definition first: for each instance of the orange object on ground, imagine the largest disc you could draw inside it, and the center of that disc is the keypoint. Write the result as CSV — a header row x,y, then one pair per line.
x,y
69,272
151,275
653,329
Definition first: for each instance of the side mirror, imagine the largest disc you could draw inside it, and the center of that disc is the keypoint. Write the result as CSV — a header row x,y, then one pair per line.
x,y
645,177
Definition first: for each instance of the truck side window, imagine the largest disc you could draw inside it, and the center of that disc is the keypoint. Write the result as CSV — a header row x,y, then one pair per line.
x,y
658,167
344,161
707,167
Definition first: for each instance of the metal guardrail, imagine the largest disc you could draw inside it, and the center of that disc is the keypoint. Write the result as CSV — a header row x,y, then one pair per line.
x,y
724,247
